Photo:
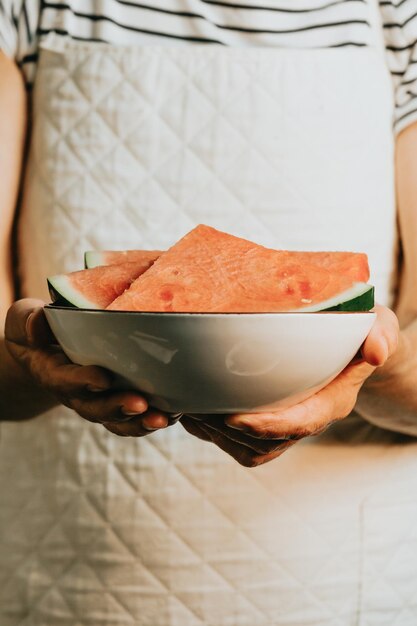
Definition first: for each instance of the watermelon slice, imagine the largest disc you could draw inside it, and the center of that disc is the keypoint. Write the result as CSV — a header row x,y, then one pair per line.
x,y
94,288
211,271
94,258
349,263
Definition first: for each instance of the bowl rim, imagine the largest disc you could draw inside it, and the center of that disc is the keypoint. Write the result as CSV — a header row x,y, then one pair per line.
x,y
214,314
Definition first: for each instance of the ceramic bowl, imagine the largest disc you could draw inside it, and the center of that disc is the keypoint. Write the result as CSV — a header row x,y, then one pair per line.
x,y
213,363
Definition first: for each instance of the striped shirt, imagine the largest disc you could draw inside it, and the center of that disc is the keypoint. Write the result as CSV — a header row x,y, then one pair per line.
x,y
282,23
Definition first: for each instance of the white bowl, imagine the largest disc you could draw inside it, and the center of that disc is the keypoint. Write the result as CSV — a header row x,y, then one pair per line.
x,y
213,363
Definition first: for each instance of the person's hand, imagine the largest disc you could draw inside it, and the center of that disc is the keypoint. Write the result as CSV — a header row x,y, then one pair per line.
x,y
254,439
86,389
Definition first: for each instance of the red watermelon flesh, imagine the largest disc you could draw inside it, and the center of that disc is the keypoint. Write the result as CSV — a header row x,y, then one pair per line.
x,y
349,263
114,257
95,288
211,271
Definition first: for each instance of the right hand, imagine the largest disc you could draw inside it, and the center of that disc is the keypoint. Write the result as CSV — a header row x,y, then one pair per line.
x,y
85,389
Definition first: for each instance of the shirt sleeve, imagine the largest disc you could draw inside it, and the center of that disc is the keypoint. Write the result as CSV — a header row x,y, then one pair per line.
x,y
399,18
19,21
385,414
9,11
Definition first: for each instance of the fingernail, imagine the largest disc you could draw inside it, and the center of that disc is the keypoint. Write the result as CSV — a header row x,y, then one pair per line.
x,y
127,415
379,359
140,408
27,326
238,426
386,349
150,428
95,389
175,417
163,424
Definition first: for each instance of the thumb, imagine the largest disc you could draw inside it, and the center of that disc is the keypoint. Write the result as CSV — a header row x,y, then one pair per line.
x,y
26,324
382,340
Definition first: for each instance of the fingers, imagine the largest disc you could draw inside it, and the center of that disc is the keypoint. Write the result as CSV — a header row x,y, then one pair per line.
x,y
299,421
150,421
217,423
194,428
85,389
81,389
241,453
51,369
310,417
382,340
108,406
336,400
31,343
26,324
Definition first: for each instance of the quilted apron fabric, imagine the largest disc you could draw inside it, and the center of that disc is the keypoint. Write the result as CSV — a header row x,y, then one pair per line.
x,y
131,147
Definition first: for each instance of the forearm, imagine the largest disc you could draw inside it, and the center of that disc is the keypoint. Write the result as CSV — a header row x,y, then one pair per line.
x,y
12,141
389,396
19,396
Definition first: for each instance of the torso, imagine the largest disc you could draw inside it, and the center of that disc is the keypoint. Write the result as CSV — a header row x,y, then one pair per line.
x,y
131,147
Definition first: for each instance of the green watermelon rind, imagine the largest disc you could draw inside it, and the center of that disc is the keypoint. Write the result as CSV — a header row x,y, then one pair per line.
x,y
363,302
359,298
63,294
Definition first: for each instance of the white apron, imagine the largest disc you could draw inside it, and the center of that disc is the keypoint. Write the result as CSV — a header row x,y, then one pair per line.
x,y
132,147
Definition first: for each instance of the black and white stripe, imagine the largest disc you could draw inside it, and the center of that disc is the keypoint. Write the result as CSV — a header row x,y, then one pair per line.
x,y
282,23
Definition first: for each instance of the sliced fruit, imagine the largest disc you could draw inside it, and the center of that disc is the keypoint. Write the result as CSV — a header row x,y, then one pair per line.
x,y
94,288
349,263
211,271
95,258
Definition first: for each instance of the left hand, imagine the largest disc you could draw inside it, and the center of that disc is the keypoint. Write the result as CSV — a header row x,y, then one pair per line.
x,y
256,438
